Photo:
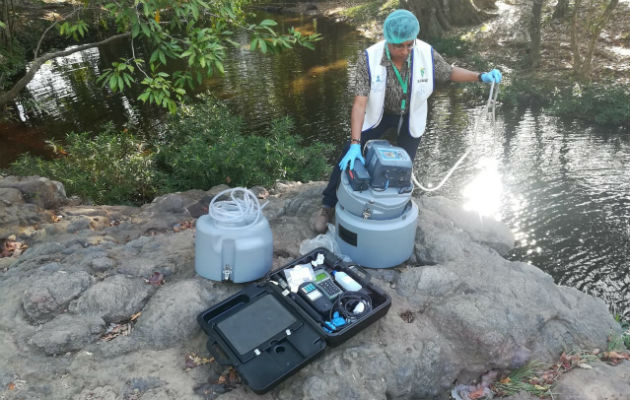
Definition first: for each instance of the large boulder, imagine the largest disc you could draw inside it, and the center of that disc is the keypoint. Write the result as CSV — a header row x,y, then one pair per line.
x,y
37,190
459,309
51,292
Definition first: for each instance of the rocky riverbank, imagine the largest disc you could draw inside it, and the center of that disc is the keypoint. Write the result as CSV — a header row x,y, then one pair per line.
x,y
99,302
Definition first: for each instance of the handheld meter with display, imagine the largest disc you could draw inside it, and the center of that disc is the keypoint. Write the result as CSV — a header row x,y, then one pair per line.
x,y
325,283
315,298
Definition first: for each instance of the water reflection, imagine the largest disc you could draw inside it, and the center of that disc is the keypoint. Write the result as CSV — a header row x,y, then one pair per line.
x,y
562,188
483,194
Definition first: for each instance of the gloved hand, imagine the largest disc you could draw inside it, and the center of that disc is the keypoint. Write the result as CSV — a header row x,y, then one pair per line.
x,y
353,153
492,76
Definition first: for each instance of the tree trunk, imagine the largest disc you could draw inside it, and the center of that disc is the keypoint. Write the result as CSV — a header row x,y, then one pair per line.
x,y
593,26
561,10
438,16
534,32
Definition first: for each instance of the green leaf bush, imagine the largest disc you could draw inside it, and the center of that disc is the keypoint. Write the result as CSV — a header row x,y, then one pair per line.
x,y
202,146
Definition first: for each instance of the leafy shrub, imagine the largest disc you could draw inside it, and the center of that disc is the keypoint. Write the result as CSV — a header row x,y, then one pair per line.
x,y
452,46
369,10
200,148
109,168
204,146
527,92
603,105
590,102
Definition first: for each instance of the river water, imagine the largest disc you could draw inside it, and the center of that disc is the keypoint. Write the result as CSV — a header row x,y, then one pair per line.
x,y
562,187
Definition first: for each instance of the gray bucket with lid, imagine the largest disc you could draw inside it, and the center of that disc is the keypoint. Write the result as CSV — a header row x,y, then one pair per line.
x,y
234,240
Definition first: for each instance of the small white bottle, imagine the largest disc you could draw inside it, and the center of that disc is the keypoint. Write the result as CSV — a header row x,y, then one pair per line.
x,y
346,282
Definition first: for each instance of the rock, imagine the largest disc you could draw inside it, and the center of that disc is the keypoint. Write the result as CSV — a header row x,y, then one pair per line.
x,y
98,393
37,190
169,317
9,196
459,309
67,333
49,294
602,382
115,299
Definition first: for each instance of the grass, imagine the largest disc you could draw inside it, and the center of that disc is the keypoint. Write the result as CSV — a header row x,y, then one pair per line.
x,y
521,380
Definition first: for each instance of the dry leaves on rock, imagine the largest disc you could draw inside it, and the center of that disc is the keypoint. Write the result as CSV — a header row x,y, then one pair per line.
x,y
182,226
229,377
407,316
121,329
12,248
615,357
157,279
192,360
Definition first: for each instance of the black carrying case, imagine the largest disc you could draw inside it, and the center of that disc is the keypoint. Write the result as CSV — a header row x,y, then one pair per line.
x,y
267,333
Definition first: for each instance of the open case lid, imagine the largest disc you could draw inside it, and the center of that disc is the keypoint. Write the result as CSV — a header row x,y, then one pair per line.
x,y
260,336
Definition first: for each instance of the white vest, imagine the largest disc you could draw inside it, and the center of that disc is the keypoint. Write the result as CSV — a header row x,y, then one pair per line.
x,y
421,83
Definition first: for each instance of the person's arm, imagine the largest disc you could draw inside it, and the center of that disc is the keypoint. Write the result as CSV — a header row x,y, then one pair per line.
x,y
459,74
356,118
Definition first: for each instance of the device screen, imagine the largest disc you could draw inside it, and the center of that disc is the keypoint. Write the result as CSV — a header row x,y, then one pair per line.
x,y
256,324
321,276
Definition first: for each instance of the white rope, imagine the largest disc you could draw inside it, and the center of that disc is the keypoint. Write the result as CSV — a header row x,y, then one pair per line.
x,y
241,209
490,105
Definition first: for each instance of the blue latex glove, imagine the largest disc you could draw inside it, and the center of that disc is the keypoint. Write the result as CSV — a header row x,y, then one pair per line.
x,y
353,153
492,76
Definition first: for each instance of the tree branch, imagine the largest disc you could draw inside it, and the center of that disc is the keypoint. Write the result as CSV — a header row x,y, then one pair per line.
x,y
38,62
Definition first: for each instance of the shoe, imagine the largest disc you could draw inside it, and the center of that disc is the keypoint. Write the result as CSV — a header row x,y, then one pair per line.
x,y
323,218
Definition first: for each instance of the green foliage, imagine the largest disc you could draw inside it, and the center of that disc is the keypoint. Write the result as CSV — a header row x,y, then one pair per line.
x,y
12,61
74,29
370,10
200,147
452,46
109,168
605,105
204,146
196,31
519,381
624,339
526,91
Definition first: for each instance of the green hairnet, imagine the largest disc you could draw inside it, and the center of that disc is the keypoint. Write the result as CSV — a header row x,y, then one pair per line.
x,y
400,26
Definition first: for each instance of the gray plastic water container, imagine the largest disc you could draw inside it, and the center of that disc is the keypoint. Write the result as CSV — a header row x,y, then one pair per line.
x,y
234,240
372,203
233,253
376,243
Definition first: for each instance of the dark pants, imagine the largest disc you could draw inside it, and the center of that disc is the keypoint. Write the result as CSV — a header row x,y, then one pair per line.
x,y
404,140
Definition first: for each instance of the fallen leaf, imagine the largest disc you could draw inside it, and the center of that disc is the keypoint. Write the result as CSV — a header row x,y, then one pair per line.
x,y
584,366
183,226
234,378
192,360
135,316
11,386
12,248
505,380
157,279
538,387
477,393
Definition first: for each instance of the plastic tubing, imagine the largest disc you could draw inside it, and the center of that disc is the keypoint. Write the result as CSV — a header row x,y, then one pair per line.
x,y
491,101
241,208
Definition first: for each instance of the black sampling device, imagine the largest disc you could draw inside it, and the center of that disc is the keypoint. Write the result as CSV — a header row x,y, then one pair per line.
x,y
267,332
358,176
